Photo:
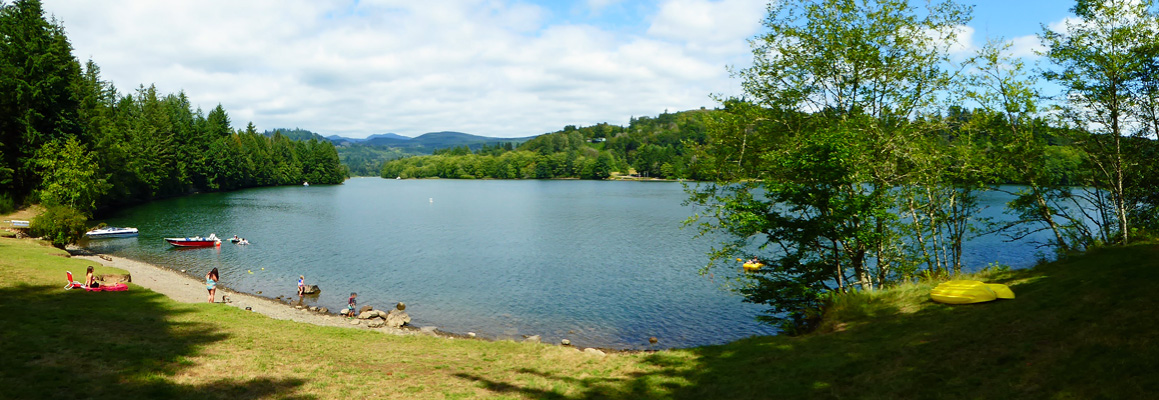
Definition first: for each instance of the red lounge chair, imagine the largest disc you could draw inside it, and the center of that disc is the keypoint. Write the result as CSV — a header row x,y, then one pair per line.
x,y
71,283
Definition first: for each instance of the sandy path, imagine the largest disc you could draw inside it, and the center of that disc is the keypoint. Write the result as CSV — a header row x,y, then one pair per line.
x,y
187,289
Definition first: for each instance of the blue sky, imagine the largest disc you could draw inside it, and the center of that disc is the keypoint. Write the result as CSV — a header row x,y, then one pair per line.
x,y
501,68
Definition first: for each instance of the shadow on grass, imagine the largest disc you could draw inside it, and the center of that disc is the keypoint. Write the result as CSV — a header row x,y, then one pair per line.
x,y
1085,329
74,344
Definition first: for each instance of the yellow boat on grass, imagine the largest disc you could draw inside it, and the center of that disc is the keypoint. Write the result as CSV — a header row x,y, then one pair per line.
x,y
966,292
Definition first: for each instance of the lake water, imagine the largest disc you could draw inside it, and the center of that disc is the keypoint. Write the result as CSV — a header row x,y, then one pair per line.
x,y
604,264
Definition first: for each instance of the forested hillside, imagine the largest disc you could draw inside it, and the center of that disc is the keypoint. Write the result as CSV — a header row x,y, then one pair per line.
x,y
662,147
73,140
652,147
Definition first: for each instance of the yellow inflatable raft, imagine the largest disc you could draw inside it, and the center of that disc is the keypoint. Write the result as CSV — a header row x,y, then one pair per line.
x,y
751,266
966,292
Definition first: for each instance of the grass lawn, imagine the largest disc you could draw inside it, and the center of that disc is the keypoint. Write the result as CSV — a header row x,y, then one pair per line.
x,y
1082,328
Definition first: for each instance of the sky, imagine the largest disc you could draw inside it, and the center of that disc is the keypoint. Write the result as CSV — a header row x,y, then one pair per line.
x,y
498,68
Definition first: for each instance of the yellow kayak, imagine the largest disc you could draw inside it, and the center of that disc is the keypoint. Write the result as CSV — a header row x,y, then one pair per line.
x,y
966,292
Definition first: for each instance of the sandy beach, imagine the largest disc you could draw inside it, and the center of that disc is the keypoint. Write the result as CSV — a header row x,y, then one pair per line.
x,y
187,289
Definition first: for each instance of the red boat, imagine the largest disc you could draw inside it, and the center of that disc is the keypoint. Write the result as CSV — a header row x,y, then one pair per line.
x,y
196,241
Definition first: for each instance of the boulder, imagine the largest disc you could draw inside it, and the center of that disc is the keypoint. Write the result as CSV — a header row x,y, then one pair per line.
x,y
365,309
397,318
401,306
565,342
532,339
311,289
594,352
368,314
375,323
323,310
114,278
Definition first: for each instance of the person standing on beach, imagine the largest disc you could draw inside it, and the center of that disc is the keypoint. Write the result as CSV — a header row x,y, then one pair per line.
x,y
211,283
301,285
350,304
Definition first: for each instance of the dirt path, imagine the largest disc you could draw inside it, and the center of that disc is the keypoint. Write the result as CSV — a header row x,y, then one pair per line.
x,y
187,289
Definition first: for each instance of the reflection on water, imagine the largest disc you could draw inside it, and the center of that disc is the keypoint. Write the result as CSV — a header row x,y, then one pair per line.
x,y
600,263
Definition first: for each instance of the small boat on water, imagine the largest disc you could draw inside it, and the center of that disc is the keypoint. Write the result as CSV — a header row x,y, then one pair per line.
x,y
111,232
196,241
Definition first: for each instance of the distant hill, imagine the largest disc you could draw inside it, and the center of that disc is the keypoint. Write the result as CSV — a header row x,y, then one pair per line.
x,y
443,140
388,135
296,134
338,140
364,157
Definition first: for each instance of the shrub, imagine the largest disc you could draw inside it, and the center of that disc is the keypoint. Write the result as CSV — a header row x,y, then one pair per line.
x,y
7,205
60,225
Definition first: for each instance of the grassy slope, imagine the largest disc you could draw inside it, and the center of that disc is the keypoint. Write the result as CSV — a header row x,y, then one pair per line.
x,y
1084,328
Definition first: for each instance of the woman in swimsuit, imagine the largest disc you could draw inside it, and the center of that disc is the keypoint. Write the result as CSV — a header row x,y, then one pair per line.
x,y
90,279
211,283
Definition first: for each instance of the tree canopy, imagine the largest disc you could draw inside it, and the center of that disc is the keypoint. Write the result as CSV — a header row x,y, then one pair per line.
x,y
71,139
851,162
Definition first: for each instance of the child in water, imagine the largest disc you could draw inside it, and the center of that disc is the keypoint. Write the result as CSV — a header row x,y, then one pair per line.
x,y
301,285
350,304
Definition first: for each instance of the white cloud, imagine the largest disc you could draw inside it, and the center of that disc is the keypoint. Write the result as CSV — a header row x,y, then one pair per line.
x,y
963,44
709,26
1026,47
355,68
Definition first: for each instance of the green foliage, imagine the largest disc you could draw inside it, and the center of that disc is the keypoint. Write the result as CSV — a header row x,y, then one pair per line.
x,y
655,147
7,203
71,176
365,160
1106,67
837,138
70,138
59,224
38,105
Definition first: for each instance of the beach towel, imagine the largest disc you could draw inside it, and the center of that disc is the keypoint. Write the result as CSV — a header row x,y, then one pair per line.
x,y
120,287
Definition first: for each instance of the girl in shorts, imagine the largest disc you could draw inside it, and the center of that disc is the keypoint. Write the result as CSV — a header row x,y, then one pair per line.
x,y
211,283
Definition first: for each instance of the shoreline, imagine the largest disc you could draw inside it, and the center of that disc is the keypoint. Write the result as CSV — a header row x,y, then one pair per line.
x,y
183,288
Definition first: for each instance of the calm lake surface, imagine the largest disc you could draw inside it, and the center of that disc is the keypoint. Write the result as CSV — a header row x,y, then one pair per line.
x,y
604,264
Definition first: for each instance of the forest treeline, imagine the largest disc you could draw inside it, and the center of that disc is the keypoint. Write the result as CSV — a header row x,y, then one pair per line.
x,y
663,147
71,139
650,146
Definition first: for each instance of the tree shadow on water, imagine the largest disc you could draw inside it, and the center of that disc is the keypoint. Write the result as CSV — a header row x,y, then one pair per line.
x,y
74,344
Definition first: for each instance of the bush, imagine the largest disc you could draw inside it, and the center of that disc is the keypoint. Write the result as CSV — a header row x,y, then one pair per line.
x,y
7,205
60,225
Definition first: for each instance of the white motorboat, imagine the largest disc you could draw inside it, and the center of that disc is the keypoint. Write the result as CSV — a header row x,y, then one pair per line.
x,y
111,232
